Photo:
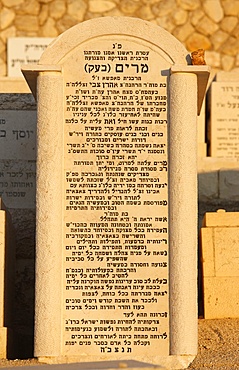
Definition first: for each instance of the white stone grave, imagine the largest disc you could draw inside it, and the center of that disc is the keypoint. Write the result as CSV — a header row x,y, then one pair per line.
x,y
224,120
18,158
24,50
117,108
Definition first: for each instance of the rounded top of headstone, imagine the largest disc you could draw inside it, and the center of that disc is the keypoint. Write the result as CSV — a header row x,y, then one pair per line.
x,y
110,26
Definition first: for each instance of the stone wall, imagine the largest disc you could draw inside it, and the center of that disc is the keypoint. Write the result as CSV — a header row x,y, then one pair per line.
x,y
209,24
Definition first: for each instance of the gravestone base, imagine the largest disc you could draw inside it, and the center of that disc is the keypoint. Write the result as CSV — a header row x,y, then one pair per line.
x,y
165,362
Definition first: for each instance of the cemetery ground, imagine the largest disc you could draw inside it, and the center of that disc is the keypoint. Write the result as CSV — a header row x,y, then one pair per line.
x,y
218,347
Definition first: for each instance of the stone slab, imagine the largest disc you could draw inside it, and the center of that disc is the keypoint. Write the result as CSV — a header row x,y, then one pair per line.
x,y
229,184
217,178
24,50
208,261
223,76
220,254
208,185
221,297
224,134
13,85
18,158
221,219
112,194
226,251
18,134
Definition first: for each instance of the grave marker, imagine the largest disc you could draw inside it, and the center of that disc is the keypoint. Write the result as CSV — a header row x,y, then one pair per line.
x,y
24,50
105,97
18,158
224,136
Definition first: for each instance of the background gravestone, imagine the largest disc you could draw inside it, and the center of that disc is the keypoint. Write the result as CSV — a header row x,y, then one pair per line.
x,y
24,50
18,158
102,195
224,98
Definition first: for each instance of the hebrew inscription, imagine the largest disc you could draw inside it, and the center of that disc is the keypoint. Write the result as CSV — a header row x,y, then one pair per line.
x,y
24,50
116,200
18,158
225,118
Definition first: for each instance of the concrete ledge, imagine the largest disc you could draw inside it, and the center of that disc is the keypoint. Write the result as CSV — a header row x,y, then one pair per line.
x,y
14,85
164,363
218,178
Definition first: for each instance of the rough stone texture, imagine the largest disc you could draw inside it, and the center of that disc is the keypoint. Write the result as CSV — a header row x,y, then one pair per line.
x,y
6,17
213,9
206,24
219,240
197,41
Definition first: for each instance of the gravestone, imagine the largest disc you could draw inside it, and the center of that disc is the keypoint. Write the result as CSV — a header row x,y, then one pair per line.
x,y
117,113
24,50
224,101
18,158
219,247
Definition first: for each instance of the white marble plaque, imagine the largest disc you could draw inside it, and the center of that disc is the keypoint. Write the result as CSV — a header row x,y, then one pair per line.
x,y
116,201
18,158
24,50
224,132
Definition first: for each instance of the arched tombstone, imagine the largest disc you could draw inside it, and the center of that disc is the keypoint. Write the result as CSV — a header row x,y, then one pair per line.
x,y
116,258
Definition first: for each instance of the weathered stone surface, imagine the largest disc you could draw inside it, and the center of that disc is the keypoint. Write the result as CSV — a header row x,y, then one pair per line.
x,y
213,58
231,46
229,23
114,13
213,9
198,41
57,8
26,22
43,14
8,32
231,7
98,6
150,2
3,67
145,12
227,62
182,33
163,8
29,7
63,23
218,38
49,29
179,17
235,31
2,46
189,4
77,9
208,185
165,23
228,184
196,16
6,18
45,1
11,3
206,26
